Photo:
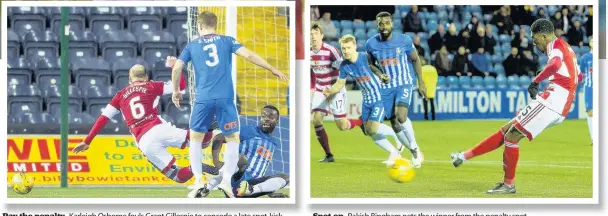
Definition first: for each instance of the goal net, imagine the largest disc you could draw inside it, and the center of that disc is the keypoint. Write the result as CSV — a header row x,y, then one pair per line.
x,y
265,31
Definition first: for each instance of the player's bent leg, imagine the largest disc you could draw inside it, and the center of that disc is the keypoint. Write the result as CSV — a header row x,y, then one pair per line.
x,y
489,144
380,140
160,158
263,186
510,158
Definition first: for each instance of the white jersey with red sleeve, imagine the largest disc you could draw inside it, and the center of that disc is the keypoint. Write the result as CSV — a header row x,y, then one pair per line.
x,y
563,74
324,64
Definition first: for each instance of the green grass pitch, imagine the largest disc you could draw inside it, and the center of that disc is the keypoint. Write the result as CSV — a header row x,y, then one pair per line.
x,y
113,192
558,163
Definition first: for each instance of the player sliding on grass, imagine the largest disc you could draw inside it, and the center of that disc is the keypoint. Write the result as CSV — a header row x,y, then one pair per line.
x,y
153,135
255,157
324,62
359,66
211,57
547,109
393,53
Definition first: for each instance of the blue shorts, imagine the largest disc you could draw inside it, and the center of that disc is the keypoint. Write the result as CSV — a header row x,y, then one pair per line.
x,y
391,97
588,98
373,112
224,110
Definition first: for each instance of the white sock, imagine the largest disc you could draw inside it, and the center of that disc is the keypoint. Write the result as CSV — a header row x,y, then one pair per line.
x,y
195,152
590,124
388,131
408,129
381,141
214,182
270,185
231,159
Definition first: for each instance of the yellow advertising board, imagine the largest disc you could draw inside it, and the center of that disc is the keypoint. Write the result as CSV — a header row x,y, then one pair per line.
x,y
110,160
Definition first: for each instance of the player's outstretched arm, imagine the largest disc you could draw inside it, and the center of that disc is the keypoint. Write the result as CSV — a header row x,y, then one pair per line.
x,y
376,70
335,88
109,112
418,69
257,60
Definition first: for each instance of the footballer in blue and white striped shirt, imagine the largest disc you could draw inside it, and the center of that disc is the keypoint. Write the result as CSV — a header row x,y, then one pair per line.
x,y
586,66
256,151
358,65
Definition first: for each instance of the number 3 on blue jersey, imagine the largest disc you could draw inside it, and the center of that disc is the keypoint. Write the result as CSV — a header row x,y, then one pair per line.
x,y
376,111
212,54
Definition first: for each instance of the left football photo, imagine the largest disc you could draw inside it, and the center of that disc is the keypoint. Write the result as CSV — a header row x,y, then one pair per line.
x,y
150,100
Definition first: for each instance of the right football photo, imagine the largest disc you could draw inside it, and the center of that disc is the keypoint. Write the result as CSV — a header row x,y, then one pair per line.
x,y
452,101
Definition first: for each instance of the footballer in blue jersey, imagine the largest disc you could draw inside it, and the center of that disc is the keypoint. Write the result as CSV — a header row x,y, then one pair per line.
x,y
396,55
256,152
211,58
359,66
586,66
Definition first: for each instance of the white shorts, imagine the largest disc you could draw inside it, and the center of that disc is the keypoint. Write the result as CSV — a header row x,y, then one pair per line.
x,y
536,117
337,105
154,143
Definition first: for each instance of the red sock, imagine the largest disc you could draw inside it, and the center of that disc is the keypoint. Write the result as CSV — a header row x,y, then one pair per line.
x,y
509,160
184,174
489,144
208,137
354,123
322,137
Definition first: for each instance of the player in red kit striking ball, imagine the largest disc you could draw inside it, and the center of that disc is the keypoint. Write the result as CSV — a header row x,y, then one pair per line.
x,y
547,108
138,103
324,63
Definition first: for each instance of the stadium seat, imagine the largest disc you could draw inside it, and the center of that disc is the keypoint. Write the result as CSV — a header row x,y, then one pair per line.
x,y
48,73
505,38
370,25
501,81
505,47
360,34
24,98
182,40
453,82
576,49
121,67
104,19
144,24
431,26
443,16
33,118
40,43
19,68
498,49
336,24
458,26
498,69
97,97
487,18
397,24
82,44
168,118
24,19
477,82
423,36
585,50
411,35
489,82
335,44
160,72
524,81
179,113
360,45
121,43
497,58
91,71
441,82
346,24
513,82
359,25
182,118
156,46
464,82
14,43
177,19
346,31
53,99
543,59
372,32
76,19
10,119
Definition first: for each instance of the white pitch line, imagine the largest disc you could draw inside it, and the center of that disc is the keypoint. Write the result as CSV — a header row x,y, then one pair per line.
x,y
521,163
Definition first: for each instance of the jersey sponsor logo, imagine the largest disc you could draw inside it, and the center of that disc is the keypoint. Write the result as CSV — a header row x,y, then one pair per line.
x,y
264,153
363,79
231,125
388,62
